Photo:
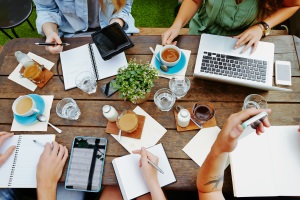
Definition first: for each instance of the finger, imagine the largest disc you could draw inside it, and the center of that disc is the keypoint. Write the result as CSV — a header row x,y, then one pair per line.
x,y
249,44
47,150
7,153
247,113
260,129
254,46
61,152
3,133
55,148
65,156
4,137
171,38
238,36
243,40
144,156
174,43
235,133
136,151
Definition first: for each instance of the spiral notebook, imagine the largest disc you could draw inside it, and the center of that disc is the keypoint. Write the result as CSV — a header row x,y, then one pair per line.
x,y
88,58
19,171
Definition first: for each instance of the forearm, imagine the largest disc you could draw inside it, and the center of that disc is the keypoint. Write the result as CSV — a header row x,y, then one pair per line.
x,y
49,28
48,193
211,175
186,12
281,15
156,191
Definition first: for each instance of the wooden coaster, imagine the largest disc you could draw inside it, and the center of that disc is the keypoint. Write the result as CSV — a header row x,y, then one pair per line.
x,y
192,126
48,75
113,129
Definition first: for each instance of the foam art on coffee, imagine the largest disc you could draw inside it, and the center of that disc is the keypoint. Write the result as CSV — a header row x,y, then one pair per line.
x,y
170,55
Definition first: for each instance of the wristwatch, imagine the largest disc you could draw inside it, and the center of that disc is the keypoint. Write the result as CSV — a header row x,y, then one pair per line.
x,y
265,28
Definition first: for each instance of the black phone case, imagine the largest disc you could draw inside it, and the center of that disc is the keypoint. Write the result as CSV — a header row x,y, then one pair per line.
x,y
111,40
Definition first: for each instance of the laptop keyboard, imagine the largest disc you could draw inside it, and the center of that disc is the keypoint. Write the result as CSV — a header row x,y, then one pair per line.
x,y
232,66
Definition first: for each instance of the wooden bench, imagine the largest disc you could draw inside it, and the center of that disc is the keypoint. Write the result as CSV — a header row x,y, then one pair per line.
x,y
184,31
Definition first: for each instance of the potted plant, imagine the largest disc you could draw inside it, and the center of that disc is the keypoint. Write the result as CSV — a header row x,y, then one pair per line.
x,y
135,81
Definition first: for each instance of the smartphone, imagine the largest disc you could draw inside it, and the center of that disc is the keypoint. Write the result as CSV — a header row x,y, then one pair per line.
x,y
85,169
108,89
283,73
255,121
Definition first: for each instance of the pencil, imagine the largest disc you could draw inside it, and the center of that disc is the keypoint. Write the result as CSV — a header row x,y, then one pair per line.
x,y
51,44
155,166
39,143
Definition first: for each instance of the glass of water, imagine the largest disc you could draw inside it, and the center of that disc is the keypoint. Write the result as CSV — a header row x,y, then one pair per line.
x,y
255,101
68,109
179,86
164,99
87,82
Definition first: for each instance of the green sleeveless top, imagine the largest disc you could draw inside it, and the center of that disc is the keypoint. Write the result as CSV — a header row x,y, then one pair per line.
x,y
224,17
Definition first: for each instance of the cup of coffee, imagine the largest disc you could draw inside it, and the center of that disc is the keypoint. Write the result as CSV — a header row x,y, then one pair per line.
x,y
170,55
203,111
24,106
127,121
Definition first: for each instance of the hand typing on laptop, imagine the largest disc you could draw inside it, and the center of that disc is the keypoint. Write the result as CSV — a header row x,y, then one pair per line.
x,y
211,174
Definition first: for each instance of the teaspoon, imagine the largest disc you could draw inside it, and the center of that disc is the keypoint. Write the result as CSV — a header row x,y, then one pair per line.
x,y
42,118
162,67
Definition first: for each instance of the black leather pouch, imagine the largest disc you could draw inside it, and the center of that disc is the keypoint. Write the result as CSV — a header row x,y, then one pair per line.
x,y
111,40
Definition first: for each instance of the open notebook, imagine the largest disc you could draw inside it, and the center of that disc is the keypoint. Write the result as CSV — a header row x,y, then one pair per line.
x,y
19,171
267,165
88,58
129,174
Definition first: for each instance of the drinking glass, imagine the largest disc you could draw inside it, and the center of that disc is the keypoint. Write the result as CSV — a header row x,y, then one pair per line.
x,y
87,82
179,86
68,109
164,99
256,101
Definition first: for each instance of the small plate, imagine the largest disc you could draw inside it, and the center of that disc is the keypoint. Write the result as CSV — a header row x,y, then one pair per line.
x,y
172,70
28,120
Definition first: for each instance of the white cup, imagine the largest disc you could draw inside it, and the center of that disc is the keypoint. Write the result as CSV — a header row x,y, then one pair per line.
x,y
24,106
171,54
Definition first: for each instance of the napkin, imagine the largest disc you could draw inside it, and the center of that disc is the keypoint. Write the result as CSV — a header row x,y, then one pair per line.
x,y
152,132
15,75
38,126
199,146
181,73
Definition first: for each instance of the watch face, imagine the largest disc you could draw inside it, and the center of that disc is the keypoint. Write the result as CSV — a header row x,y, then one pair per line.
x,y
267,32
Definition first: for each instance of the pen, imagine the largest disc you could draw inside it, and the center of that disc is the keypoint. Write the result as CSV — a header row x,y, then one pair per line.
x,y
51,44
40,143
155,166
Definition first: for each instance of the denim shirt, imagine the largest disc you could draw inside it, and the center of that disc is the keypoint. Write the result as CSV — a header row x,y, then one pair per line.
x,y
71,16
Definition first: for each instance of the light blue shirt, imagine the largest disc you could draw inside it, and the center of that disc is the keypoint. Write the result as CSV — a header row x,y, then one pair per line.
x,y
71,16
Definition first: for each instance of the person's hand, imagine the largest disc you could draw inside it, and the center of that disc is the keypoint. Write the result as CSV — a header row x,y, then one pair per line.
x,y
118,20
148,171
3,136
49,169
228,137
250,37
168,36
53,37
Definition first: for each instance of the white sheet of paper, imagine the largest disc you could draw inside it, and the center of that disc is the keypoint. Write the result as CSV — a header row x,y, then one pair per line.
x,y
129,172
267,165
15,75
38,126
199,146
187,54
77,60
152,132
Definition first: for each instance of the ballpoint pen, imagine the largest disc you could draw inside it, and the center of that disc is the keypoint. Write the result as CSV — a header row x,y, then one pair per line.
x,y
51,44
40,143
155,166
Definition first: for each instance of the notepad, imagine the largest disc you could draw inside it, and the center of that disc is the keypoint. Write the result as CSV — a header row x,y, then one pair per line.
x,y
267,165
88,58
19,171
129,174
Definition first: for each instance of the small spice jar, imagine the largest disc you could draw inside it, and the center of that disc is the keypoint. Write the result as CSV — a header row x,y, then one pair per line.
x,y
184,117
110,113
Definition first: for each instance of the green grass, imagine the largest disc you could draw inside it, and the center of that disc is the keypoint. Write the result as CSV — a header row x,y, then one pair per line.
x,y
154,13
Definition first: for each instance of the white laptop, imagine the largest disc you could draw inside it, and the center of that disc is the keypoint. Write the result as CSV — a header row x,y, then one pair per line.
x,y
217,60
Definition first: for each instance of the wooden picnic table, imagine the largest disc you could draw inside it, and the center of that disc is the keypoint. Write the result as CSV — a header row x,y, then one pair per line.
x,y
227,99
